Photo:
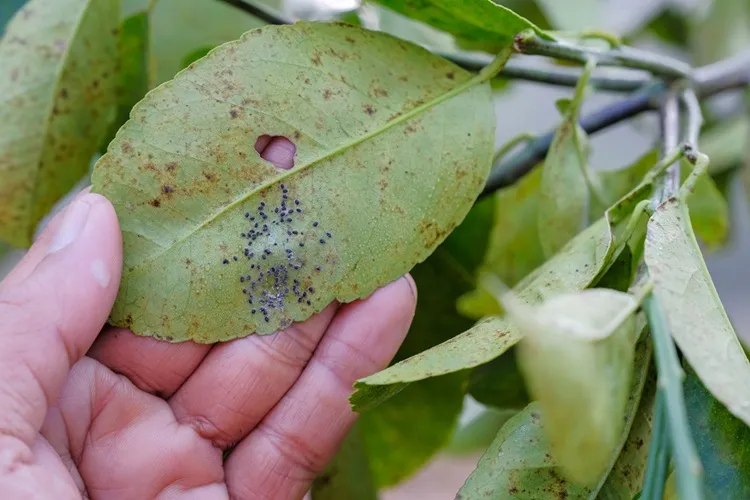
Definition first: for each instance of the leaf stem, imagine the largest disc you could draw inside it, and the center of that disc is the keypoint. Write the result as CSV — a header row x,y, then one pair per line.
x,y
670,376
563,77
528,42
694,116
658,453
701,162
521,138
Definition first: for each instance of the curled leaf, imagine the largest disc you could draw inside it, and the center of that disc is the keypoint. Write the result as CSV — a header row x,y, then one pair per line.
x,y
577,358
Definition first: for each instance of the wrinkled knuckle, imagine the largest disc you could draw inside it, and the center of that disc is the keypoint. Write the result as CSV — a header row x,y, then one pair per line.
x,y
208,430
284,349
304,463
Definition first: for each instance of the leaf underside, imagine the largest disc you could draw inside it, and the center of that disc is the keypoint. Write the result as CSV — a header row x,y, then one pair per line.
x,y
390,156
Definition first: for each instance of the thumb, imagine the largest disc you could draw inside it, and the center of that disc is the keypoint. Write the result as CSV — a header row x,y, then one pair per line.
x,y
50,318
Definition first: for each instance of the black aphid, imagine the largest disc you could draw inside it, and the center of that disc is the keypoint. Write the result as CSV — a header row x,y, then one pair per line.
x,y
234,258
322,241
225,261
329,235
301,244
247,214
318,268
310,289
242,279
308,303
252,311
315,224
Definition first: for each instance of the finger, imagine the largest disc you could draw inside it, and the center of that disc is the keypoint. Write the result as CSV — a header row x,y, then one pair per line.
x,y
50,319
126,444
36,253
302,433
278,150
156,367
239,382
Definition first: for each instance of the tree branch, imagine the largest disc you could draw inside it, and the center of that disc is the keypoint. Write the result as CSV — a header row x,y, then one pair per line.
x,y
669,114
528,42
261,13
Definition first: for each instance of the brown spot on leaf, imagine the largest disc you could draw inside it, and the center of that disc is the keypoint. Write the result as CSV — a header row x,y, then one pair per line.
x,y
188,262
327,94
315,59
171,166
368,109
64,93
167,189
380,92
155,203
126,147
297,134
129,320
233,113
210,176
450,75
350,40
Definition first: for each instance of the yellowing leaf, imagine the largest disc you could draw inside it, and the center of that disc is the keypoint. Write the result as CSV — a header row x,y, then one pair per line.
x,y
577,356
696,317
56,100
393,145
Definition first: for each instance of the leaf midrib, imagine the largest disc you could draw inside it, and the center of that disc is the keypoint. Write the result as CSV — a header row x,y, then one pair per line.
x,y
477,79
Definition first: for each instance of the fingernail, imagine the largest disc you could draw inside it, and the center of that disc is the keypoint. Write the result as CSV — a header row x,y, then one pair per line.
x,y
74,220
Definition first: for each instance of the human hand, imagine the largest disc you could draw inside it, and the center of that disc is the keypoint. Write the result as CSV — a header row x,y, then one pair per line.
x,y
124,417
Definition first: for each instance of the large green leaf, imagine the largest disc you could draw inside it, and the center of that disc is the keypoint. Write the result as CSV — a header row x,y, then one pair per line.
x,y
519,463
348,475
577,359
723,443
393,145
574,268
180,27
564,189
696,317
133,78
56,101
478,24
514,249
405,431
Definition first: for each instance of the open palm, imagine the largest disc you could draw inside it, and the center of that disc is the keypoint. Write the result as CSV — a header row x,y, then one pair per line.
x,y
114,416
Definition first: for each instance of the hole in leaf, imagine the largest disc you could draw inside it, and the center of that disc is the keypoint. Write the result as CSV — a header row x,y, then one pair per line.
x,y
276,149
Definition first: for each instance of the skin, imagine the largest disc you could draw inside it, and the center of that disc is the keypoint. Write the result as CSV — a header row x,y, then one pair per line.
x,y
91,411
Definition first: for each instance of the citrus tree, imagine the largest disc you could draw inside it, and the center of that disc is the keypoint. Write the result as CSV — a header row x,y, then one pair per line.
x,y
574,303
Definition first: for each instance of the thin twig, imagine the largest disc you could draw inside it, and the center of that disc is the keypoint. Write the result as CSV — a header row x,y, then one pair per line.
x,y
669,121
262,13
670,375
694,116
528,42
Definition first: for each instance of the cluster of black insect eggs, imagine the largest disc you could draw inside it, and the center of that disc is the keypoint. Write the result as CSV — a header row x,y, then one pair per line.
x,y
274,269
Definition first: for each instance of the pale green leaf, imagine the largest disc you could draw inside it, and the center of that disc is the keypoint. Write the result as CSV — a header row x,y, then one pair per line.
x,y
348,475
56,101
180,27
573,15
477,24
564,189
407,430
577,357
574,268
695,315
385,167
723,443
519,463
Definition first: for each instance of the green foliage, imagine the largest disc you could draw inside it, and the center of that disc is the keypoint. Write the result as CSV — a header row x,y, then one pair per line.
x,y
57,88
183,217
393,145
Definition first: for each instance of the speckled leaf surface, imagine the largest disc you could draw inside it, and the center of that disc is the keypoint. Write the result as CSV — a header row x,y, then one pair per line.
x,y
56,100
393,145
574,268
477,24
519,463
696,317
